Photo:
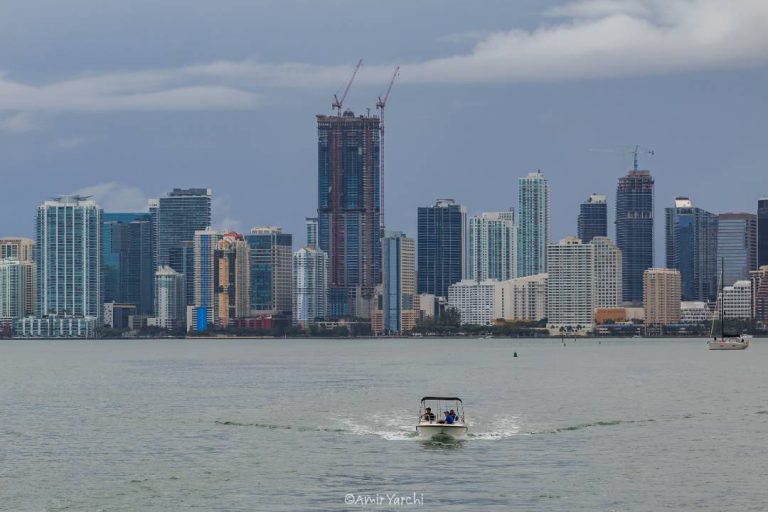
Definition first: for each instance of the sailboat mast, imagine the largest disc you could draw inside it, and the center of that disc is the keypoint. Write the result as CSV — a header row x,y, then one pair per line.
x,y
722,298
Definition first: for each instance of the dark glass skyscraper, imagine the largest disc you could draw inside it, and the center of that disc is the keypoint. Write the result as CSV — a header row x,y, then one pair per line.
x,y
736,245
762,232
181,258
127,259
593,218
348,210
441,246
634,230
691,243
179,215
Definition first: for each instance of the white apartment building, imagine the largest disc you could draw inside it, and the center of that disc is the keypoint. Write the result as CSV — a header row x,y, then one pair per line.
x,y
492,248
737,300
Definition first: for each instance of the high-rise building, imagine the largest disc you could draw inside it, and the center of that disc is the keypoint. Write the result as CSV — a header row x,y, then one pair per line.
x,y
311,225
127,259
349,209
178,216
736,245
691,243
593,218
170,300
736,300
441,246
398,308
310,287
582,277
634,230
22,249
661,296
477,302
205,244
534,224
762,232
526,298
181,258
492,252
271,253
15,277
759,279
232,268
68,258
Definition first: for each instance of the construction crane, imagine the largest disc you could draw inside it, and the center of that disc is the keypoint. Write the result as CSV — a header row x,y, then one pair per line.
x,y
380,104
637,151
338,102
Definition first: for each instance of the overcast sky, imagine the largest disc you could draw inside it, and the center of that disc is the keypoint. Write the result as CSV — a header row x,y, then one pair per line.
x,y
126,100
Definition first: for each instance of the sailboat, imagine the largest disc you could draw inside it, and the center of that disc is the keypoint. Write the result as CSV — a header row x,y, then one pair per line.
x,y
727,340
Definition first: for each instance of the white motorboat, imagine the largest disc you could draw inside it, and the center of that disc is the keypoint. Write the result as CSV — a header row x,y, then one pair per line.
x,y
442,417
726,340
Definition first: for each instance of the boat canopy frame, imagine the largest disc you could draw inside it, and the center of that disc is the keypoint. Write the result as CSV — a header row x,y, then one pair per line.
x,y
458,405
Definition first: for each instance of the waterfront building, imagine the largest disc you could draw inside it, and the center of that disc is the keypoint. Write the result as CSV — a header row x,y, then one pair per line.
x,y
310,271
68,260
271,273
349,209
205,244
484,302
441,235
695,312
492,247
736,300
691,243
55,327
117,316
593,218
608,272
127,259
398,308
170,299
478,302
15,280
661,296
759,280
534,224
762,232
178,216
181,258
634,230
572,286
232,283
525,298
736,245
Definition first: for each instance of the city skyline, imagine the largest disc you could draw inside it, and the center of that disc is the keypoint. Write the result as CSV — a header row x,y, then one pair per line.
x,y
572,125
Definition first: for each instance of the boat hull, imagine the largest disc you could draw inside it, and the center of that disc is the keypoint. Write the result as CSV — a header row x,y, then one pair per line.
x,y
432,430
740,343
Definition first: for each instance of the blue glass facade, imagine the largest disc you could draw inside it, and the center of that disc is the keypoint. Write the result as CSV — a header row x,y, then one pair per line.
x,y
736,246
181,258
691,244
127,259
593,218
178,216
634,231
349,189
441,239
762,232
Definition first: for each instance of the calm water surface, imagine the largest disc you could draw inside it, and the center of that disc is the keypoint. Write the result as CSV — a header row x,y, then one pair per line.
x,y
298,425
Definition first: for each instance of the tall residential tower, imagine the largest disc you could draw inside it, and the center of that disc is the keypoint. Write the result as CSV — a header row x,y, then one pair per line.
x,y
634,230
534,224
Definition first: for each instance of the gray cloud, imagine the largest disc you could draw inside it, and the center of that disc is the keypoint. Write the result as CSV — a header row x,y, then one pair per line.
x,y
116,197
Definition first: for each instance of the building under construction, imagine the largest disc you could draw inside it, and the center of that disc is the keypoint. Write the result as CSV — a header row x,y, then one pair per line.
x,y
349,209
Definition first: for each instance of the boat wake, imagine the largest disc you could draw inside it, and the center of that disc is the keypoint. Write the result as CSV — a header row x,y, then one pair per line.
x,y
502,428
391,429
594,424
268,426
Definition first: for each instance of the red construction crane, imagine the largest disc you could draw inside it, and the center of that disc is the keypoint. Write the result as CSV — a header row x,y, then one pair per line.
x,y
337,103
380,106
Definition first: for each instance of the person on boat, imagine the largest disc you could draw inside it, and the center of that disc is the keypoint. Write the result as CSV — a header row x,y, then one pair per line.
x,y
429,415
449,419
453,413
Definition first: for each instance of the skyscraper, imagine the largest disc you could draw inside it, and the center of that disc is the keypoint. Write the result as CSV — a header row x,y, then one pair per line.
x,y
762,232
181,258
349,197
15,277
311,225
608,271
634,230
534,224
231,279
127,259
206,242
661,296
736,245
441,246
310,286
691,243
170,300
68,260
271,253
492,250
399,303
593,218
22,249
179,215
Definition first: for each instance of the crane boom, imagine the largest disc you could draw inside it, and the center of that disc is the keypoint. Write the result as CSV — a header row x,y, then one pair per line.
x,y
638,150
338,102
383,101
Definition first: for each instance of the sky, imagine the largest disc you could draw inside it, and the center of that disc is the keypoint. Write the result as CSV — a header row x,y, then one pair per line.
x,y
126,100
